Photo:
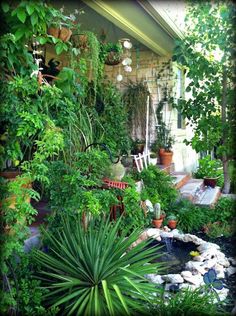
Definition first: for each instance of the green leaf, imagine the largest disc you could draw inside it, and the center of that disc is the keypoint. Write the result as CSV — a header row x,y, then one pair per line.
x,y
59,48
43,40
5,7
19,33
34,19
30,9
21,14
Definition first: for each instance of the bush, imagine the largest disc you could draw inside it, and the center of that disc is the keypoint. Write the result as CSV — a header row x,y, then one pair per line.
x,y
158,187
95,272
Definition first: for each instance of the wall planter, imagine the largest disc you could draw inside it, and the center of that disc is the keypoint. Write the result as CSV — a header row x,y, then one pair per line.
x,y
165,157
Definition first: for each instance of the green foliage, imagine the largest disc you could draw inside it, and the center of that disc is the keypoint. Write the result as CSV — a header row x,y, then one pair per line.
x,y
21,293
207,53
158,187
106,48
77,188
211,168
135,100
113,118
94,271
189,302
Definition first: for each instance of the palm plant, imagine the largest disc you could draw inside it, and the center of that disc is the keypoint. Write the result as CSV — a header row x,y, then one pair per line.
x,y
96,271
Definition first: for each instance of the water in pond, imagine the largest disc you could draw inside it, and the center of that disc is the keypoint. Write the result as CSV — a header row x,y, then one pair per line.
x,y
174,253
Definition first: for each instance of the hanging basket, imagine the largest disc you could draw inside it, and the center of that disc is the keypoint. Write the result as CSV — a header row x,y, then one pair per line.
x,y
113,58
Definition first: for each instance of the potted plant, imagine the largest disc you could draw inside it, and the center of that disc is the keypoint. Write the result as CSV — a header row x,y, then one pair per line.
x,y
158,217
210,170
172,221
111,53
62,25
165,143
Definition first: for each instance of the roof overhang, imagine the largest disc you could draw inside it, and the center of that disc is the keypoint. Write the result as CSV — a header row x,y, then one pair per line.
x,y
141,19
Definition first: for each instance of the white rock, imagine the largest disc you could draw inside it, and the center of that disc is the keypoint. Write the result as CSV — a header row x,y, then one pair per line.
x,y
153,232
166,229
187,274
187,286
224,262
231,270
143,236
232,261
199,258
166,234
192,238
173,278
219,271
206,246
208,264
155,278
195,266
195,279
223,293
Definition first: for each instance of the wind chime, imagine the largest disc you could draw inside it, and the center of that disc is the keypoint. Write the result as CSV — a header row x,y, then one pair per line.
x,y
127,61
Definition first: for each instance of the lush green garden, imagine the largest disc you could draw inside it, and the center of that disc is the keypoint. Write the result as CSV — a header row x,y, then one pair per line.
x,y
85,264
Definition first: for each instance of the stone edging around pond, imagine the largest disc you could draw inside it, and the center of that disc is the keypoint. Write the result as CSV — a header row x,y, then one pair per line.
x,y
209,257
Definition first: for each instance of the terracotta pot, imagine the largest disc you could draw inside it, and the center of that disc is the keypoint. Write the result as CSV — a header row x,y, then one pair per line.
x,y
65,34
54,31
210,182
166,158
172,223
157,222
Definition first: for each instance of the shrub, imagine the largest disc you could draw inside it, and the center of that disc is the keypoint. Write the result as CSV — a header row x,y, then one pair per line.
x,y
158,187
95,272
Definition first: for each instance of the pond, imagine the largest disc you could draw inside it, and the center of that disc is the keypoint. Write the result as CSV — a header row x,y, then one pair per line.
x,y
174,253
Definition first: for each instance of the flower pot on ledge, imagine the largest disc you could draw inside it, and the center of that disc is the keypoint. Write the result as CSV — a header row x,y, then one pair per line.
x,y
165,157
210,181
157,222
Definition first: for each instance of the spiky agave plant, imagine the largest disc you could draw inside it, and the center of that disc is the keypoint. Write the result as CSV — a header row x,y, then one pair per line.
x,y
97,271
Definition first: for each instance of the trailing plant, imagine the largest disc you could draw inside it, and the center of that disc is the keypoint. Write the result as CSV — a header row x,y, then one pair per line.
x,y
210,168
135,100
116,287
113,118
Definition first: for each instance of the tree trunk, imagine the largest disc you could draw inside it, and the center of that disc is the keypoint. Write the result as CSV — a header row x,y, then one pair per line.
x,y
226,188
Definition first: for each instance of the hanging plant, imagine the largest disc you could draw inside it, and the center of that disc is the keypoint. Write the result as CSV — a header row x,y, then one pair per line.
x,y
111,54
135,99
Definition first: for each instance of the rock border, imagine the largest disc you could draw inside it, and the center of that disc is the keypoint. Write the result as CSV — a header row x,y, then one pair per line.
x,y
210,257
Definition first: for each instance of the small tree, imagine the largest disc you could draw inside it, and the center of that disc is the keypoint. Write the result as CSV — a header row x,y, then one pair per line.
x,y
208,52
